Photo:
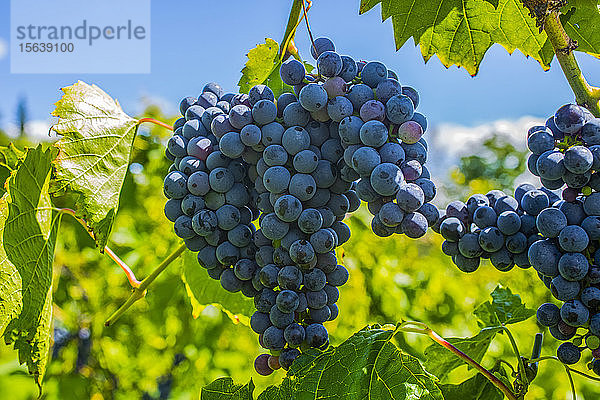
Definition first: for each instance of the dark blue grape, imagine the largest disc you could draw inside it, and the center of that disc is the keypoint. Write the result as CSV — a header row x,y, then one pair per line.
x,y
509,222
534,201
550,222
540,142
452,229
484,217
259,322
573,266
573,239
321,45
373,73
491,239
544,257
468,245
590,297
563,289
466,264
569,118
316,335
548,314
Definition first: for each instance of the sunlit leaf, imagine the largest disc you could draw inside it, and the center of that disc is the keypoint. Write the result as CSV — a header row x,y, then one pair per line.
x,y
262,67
10,156
204,291
505,308
95,147
225,389
460,32
28,227
369,365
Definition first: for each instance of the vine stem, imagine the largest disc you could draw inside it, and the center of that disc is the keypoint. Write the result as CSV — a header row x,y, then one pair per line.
x,y
310,35
425,330
520,364
292,25
155,122
133,281
585,95
140,291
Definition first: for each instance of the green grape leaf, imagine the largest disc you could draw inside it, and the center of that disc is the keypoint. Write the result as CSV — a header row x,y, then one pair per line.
x,y
581,19
476,388
94,152
225,389
505,308
28,228
440,361
368,365
204,291
460,32
262,67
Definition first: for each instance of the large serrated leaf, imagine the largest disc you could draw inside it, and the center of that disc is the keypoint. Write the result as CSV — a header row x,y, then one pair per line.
x,y
505,308
97,137
369,365
28,228
460,32
204,291
262,67
440,362
225,389
581,19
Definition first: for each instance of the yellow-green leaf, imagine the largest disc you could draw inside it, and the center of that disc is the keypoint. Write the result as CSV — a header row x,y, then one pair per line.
x,y
368,365
225,389
204,291
460,32
28,227
95,148
262,67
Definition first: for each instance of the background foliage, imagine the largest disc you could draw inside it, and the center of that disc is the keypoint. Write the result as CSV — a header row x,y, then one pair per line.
x,y
157,344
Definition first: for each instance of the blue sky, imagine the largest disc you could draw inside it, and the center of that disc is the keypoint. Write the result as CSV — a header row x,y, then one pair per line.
x,y
194,42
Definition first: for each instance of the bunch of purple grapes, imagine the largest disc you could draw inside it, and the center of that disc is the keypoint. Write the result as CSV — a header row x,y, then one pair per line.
x,y
299,164
494,226
559,238
566,152
380,136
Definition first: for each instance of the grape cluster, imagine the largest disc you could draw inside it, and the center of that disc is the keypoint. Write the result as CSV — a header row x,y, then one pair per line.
x,y
566,152
558,237
535,228
298,164
383,149
210,192
494,226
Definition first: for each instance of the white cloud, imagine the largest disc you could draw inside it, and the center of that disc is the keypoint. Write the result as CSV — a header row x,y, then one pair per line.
x,y
37,131
449,142
3,48
166,106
